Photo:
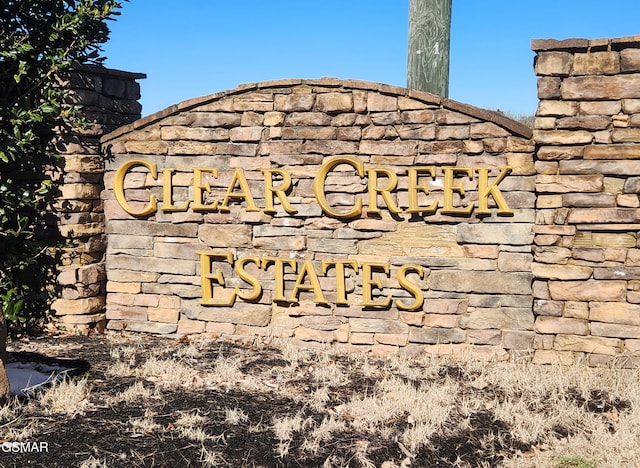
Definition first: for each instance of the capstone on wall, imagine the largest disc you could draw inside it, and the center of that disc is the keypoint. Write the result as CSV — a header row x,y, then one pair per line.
x,y
361,215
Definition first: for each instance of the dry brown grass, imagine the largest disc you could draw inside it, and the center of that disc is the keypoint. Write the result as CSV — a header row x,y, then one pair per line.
x,y
319,408
69,397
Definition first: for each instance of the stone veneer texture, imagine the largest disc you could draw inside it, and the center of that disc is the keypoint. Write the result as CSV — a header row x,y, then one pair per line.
x,y
559,279
110,100
477,269
586,256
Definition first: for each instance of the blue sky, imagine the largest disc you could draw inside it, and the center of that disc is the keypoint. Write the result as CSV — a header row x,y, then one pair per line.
x,y
199,47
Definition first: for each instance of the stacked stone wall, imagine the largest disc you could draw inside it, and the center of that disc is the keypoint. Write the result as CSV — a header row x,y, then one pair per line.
x,y
586,256
475,265
552,269
109,99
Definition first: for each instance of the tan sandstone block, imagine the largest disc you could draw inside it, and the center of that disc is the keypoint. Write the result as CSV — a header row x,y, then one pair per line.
x,y
601,87
146,147
456,350
382,350
245,133
199,134
596,63
555,109
587,344
335,102
446,306
142,327
127,288
257,315
553,63
163,315
395,339
543,341
364,325
604,215
189,327
545,123
294,102
547,308
342,333
561,325
551,357
81,319
632,346
321,322
548,87
615,330
488,353
615,312
274,119
549,201
80,191
361,338
412,318
87,305
441,321
280,318
225,235
484,337
309,334
516,339
573,309
561,272
598,291
220,328
630,60
563,137
436,335
502,318
569,183
377,102
489,282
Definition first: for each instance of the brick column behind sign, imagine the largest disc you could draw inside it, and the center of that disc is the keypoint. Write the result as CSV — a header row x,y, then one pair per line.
x,y
109,99
587,261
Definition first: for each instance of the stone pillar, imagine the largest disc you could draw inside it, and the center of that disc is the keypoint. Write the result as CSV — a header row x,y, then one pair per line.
x,y
109,99
586,257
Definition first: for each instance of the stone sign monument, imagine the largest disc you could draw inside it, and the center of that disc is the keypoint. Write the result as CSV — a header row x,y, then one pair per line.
x,y
375,218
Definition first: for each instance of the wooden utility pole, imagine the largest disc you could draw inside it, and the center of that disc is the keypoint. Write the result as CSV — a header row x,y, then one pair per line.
x,y
429,42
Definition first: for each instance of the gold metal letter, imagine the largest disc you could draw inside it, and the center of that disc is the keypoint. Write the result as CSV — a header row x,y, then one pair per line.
x,y
280,192
385,192
449,188
248,278
341,289
199,187
321,177
484,191
118,187
279,274
208,277
414,207
411,288
167,193
309,271
245,193
368,281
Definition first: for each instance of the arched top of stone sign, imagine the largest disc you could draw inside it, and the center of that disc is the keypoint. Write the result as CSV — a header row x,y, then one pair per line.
x,y
514,127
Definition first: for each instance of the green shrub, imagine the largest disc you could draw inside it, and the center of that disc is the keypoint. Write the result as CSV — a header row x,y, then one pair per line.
x,y
39,42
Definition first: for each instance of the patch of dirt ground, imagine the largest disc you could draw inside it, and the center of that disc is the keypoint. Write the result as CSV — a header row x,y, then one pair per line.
x,y
153,402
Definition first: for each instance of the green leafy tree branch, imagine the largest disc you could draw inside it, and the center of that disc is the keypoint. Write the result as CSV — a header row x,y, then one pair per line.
x,y
40,40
